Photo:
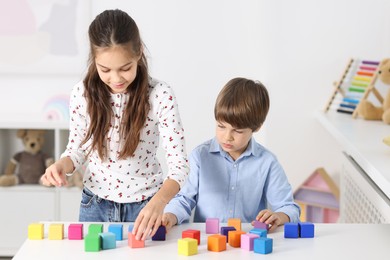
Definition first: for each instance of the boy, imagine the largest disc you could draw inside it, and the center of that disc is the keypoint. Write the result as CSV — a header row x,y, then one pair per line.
x,y
231,175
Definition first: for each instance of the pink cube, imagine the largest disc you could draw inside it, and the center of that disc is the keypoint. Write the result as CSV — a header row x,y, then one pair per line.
x,y
247,241
75,232
212,225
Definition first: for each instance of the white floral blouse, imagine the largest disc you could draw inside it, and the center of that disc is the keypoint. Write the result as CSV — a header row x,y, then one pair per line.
x,y
139,177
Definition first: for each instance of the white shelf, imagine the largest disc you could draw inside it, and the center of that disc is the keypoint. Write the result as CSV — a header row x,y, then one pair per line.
x,y
362,140
24,204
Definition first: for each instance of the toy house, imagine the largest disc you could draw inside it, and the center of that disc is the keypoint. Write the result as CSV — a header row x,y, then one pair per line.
x,y
318,198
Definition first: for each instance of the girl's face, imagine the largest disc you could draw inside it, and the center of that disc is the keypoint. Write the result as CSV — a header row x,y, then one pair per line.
x,y
232,140
116,67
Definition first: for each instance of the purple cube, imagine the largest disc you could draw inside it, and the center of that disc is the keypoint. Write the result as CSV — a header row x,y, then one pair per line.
x,y
160,234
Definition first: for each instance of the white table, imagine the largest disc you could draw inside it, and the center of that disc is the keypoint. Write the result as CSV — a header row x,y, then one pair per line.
x,y
331,242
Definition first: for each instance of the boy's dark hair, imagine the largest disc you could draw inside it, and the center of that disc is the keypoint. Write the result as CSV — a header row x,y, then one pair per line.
x,y
242,103
109,29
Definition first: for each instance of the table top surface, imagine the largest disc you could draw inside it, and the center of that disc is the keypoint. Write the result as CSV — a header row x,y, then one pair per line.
x,y
331,241
363,141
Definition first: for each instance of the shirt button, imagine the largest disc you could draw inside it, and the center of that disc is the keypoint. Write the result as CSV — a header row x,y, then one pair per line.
x,y
233,188
234,165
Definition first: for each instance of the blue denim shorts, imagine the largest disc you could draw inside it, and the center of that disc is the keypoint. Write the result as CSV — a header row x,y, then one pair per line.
x,y
96,209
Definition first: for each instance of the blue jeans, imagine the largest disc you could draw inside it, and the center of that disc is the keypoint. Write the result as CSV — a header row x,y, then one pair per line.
x,y
96,209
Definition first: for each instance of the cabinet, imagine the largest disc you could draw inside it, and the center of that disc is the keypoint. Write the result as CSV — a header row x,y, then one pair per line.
x,y
365,171
24,204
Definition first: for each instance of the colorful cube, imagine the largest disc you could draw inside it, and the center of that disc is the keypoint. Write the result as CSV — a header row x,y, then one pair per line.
x,y
191,233
56,231
216,243
306,229
187,246
234,238
134,243
291,230
225,231
75,232
260,225
262,245
35,231
247,241
212,225
160,234
92,242
234,222
95,229
116,229
108,240
259,232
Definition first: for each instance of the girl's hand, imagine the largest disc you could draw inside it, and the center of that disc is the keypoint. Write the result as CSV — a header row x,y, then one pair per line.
x,y
149,219
169,220
274,219
54,175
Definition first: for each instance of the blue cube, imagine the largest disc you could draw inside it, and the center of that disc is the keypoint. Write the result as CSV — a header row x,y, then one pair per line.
x,y
258,231
160,234
108,240
225,231
262,245
291,230
117,229
306,229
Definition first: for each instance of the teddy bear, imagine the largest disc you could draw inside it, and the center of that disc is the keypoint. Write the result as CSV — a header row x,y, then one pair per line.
x,y
28,166
367,110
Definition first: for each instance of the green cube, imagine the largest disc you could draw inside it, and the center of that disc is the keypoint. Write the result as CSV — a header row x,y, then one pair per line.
x,y
92,243
95,229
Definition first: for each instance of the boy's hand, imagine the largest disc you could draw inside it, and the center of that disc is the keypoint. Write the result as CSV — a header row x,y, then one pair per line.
x,y
274,219
169,220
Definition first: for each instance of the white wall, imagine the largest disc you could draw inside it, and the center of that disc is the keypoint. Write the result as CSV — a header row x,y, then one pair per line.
x,y
296,48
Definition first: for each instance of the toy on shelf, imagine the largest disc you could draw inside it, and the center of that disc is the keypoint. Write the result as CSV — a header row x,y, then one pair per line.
x,y
28,166
357,80
318,198
366,108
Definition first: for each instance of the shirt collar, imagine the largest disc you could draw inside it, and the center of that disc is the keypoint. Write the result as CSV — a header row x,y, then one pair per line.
x,y
250,150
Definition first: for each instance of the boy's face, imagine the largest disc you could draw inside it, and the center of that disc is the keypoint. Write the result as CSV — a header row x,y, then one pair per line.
x,y
232,140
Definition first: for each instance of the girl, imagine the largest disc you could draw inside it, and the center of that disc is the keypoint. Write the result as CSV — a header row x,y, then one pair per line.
x,y
118,113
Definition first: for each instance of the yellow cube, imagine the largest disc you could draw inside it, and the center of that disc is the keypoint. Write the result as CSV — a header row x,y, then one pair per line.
x,y
187,246
35,231
235,222
56,231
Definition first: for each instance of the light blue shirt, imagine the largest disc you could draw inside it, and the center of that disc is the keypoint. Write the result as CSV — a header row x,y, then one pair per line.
x,y
219,187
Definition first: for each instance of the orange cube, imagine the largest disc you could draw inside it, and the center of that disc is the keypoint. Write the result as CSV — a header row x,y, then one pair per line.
x,y
235,238
216,243
234,222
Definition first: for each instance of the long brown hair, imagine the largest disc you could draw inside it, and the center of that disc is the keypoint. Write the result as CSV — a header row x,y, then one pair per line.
x,y
242,103
115,28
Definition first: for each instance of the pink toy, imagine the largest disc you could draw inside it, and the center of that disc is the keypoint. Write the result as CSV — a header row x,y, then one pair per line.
x,y
318,198
212,226
247,241
75,232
